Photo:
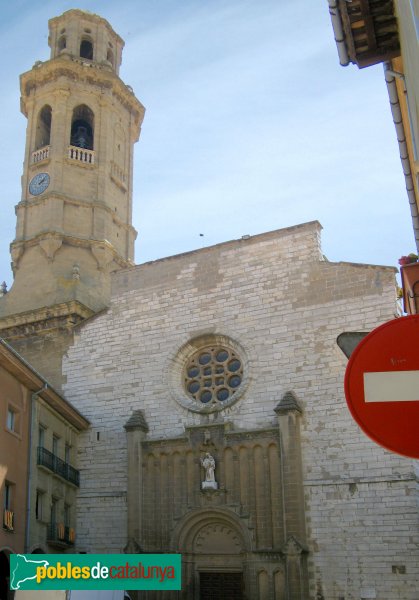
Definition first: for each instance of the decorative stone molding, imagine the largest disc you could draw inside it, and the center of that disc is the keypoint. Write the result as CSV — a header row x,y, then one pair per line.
x,y
16,252
218,538
17,248
103,255
50,245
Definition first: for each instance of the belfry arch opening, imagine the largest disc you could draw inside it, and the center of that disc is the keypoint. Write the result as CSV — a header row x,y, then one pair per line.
x,y
82,127
43,127
86,49
109,56
62,43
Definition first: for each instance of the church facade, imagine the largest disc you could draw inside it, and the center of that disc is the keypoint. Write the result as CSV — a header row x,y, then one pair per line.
x,y
211,380
230,351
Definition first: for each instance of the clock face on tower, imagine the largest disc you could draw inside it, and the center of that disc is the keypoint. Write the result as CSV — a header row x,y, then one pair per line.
x,y
39,184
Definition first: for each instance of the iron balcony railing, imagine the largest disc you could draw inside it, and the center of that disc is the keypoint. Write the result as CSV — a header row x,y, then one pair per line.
x,y
61,534
56,465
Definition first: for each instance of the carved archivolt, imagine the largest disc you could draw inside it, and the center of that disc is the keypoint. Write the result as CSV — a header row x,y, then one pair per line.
x,y
216,531
217,538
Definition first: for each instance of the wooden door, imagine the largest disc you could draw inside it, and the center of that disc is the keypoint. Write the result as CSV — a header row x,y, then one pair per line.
x,y
220,586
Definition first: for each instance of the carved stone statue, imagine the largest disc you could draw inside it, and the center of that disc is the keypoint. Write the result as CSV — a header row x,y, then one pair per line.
x,y
208,463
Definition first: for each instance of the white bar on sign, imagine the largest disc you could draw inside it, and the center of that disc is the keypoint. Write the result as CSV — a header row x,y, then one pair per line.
x,y
392,386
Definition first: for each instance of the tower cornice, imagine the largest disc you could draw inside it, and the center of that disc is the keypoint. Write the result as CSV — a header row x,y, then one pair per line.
x,y
76,242
86,16
77,202
84,72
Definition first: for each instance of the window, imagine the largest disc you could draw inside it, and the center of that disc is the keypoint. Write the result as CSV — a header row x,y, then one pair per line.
x,y
67,454
39,504
11,419
7,498
62,43
8,515
82,127
41,436
43,127
209,373
53,512
67,515
55,444
86,49
213,374
109,56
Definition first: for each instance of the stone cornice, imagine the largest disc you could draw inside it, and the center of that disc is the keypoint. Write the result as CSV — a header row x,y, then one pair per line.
x,y
69,240
72,309
86,16
75,202
12,362
87,73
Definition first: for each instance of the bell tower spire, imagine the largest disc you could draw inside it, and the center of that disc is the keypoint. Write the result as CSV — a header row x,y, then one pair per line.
x,y
74,219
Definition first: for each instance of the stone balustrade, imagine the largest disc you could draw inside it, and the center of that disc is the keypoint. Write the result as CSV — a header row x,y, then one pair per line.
x,y
40,154
81,155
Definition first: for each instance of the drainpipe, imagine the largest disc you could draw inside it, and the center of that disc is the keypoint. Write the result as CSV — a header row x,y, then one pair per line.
x,y
34,396
338,33
390,77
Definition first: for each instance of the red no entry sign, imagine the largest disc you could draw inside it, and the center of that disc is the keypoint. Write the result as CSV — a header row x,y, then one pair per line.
x,y
382,385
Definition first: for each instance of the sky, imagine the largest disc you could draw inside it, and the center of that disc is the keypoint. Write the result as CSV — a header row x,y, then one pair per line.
x,y
251,125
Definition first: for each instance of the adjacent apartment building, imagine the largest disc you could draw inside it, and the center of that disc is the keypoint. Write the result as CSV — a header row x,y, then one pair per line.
x,y
38,450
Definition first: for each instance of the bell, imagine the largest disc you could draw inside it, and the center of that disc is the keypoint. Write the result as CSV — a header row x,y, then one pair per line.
x,y
80,137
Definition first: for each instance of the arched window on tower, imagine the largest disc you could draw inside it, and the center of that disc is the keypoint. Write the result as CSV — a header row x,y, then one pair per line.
x,y
86,49
109,56
82,127
43,127
62,43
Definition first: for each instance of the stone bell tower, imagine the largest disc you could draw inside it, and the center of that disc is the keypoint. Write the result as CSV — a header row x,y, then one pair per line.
x,y
74,218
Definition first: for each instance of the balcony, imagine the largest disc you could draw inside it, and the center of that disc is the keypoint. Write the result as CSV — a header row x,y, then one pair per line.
x,y
81,155
8,520
59,467
370,31
40,154
60,536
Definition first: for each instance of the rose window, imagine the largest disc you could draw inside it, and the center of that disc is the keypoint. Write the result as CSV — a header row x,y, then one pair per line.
x,y
213,375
